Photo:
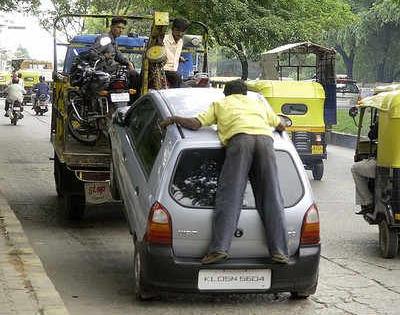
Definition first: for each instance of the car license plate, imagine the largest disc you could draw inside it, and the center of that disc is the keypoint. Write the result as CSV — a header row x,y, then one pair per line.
x,y
97,192
317,149
232,279
119,97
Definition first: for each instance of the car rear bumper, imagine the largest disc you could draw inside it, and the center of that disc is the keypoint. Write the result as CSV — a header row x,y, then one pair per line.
x,y
163,271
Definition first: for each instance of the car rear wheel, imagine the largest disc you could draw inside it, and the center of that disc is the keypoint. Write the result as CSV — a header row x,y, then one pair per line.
x,y
141,292
318,170
388,240
301,295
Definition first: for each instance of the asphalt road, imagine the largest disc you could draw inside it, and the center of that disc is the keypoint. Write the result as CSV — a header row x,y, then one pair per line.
x,y
90,262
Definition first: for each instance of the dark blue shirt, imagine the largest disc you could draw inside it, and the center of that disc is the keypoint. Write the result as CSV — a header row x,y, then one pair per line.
x,y
42,88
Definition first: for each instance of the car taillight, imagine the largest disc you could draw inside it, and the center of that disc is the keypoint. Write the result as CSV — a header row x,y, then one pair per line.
x,y
310,228
159,229
118,85
318,138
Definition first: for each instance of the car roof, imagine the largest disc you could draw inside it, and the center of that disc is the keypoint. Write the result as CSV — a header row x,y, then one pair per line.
x,y
189,102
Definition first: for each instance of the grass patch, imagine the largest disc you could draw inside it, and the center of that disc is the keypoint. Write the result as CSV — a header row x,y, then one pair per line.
x,y
346,124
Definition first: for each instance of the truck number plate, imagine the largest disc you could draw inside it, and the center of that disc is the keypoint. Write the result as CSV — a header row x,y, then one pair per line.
x,y
119,97
97,192
234,279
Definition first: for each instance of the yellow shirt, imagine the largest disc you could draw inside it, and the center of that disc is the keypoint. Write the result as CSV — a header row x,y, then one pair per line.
x,y
239,113
173,50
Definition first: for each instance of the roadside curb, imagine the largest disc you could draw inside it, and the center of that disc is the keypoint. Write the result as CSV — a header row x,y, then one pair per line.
x,y
341,139
22,276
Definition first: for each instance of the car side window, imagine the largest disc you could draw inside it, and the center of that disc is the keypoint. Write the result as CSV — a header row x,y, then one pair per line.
x,y
150,143
146,133
139,117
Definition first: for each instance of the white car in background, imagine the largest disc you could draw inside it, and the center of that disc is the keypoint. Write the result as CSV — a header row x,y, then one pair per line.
x,y
347,92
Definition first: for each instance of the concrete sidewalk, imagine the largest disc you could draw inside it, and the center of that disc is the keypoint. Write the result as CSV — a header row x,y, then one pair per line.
x,y
25,288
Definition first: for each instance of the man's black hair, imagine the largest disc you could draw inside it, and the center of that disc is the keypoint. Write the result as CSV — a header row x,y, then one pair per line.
x,y
117,20
180,24
235,87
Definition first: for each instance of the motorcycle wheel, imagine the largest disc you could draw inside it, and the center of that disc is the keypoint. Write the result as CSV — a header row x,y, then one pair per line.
x,y
14,120
82,132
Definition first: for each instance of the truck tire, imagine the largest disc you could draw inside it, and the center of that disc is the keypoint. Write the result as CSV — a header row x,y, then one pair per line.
x,y
58,175
74,206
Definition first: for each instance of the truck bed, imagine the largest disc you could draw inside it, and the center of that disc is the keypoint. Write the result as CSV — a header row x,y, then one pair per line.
x,y
79,156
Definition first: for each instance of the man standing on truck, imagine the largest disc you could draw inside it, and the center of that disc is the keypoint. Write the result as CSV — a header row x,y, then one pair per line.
x,y
105,48
245,127
173,43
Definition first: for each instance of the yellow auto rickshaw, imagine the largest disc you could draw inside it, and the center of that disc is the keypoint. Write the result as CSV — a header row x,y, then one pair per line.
x,y
303,103
5,79
383,108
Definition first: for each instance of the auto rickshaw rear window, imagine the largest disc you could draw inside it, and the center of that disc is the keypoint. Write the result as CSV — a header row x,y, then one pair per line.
x,y
294,109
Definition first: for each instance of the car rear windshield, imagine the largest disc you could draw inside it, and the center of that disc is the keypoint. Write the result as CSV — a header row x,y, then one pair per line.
x,y
195,179
348,87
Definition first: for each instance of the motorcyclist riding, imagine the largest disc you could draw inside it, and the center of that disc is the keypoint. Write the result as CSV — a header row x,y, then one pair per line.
x,y
42,88
14,92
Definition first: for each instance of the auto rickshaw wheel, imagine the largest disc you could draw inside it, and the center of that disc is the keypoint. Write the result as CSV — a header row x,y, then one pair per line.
x,y
388,240
318,170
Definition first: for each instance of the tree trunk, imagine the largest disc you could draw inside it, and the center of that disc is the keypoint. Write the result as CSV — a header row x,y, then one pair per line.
x,y
380,72
348,59
243,61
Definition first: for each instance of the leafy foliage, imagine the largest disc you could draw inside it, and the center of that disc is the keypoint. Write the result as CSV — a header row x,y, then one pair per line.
x,y
18,5
369,43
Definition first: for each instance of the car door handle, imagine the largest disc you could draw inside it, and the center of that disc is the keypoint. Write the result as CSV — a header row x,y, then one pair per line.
x,y
137,190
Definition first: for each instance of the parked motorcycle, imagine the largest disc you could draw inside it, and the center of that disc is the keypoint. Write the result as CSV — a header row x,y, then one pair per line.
x,y
15,112
91,105
42,104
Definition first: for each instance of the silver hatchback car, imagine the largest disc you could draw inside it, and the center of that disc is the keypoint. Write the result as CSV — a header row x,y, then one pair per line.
x,y
168,179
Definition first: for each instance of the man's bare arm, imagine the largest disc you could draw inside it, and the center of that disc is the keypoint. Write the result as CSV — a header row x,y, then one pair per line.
x,y
189,123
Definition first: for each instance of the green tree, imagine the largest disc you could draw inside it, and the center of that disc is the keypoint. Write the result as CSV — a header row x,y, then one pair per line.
x,y
379,34
368,44
252,26
18,5
246,27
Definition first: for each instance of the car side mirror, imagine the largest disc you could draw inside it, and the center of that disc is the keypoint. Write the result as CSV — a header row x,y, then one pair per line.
x,y
353,111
